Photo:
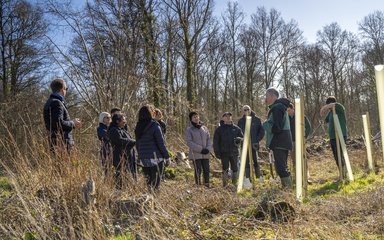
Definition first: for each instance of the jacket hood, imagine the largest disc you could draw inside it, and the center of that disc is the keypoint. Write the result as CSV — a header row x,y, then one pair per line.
x,y
284,101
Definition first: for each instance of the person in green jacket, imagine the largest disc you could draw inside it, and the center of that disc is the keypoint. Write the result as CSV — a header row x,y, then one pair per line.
x,y
278,134
326,111
307,129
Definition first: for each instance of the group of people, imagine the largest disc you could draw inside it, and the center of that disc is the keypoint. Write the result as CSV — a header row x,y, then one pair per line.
x,y
279,129
117,151
117,145
149,141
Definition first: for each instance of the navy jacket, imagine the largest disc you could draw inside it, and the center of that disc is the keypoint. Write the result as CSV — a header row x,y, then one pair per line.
x,y
257,130
121,142
224,140
151,141
57,120
105,148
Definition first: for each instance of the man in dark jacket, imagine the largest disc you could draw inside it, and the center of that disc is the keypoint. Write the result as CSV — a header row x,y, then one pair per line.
x,y
278,134
226,141
56,117
257,133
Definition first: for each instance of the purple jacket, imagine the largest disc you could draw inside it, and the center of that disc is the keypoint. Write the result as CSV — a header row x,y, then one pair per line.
x,y
197,139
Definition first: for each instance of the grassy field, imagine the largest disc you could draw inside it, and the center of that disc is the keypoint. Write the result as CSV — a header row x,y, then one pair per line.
x,y
41,199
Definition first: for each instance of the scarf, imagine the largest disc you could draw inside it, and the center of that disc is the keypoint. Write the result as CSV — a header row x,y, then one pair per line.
x,y
197,125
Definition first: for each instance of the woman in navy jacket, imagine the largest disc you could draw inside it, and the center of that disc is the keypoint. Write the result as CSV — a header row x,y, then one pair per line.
x,y
150,146
105,145
121,144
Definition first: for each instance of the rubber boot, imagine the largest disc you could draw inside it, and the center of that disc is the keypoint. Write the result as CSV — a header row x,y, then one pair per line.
x,y
225,178
286,182
235,177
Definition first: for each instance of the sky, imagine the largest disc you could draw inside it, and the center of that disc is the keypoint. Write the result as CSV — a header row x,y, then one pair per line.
x,y
312,15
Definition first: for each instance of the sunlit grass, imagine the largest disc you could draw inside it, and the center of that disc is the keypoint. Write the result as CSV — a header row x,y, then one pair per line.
x,y
5,187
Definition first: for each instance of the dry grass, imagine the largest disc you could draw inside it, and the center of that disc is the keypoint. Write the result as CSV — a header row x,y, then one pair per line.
x,y
46,202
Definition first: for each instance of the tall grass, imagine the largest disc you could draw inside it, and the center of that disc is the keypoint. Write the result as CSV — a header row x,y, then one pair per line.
x,y
47,202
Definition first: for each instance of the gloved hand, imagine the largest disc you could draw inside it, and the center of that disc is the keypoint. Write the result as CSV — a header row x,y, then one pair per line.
x,y
255,146
204,151
238,141
167,162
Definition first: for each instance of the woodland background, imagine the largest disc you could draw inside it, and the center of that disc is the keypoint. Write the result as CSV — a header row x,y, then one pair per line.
x,y
177,55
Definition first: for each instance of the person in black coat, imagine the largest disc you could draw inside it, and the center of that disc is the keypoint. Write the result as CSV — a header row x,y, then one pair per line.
x,y
131,154
256,134
226,141
122,144
150,146
105,144
56,117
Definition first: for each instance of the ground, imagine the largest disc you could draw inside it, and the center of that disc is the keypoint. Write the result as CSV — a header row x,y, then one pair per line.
x,y
333,209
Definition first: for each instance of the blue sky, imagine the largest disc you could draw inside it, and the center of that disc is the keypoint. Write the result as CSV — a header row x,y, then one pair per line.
x,y
313,15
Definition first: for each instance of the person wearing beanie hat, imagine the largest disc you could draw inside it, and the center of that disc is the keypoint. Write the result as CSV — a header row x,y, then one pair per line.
x,y
198,140
256,134
105,144
226,141
326,111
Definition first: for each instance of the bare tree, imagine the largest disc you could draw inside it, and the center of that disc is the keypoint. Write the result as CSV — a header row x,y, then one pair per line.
x,y
105,60
233,21
338,46
193,16
23,50
268,27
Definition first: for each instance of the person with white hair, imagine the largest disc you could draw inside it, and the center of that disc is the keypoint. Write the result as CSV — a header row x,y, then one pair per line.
x,y
256,134
105,145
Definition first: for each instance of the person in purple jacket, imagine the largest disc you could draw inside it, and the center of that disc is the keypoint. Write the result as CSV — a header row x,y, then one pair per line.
x,y
199,143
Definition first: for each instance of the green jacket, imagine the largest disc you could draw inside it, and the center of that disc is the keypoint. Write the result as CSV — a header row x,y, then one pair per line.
x,y
307,127
340,111
277,129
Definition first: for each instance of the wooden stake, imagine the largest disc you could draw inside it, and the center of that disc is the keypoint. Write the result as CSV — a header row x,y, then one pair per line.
x,y
244,152
303,159
368,141
343,146
298,151
338,145
379,74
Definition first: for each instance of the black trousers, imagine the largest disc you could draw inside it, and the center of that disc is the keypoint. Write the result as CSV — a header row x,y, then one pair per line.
x,y
256,165
281,165
334,151
229,160
201,165
153,175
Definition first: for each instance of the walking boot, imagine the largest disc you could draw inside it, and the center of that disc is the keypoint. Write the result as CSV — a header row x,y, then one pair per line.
x,y
286,182
225,178
235,177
